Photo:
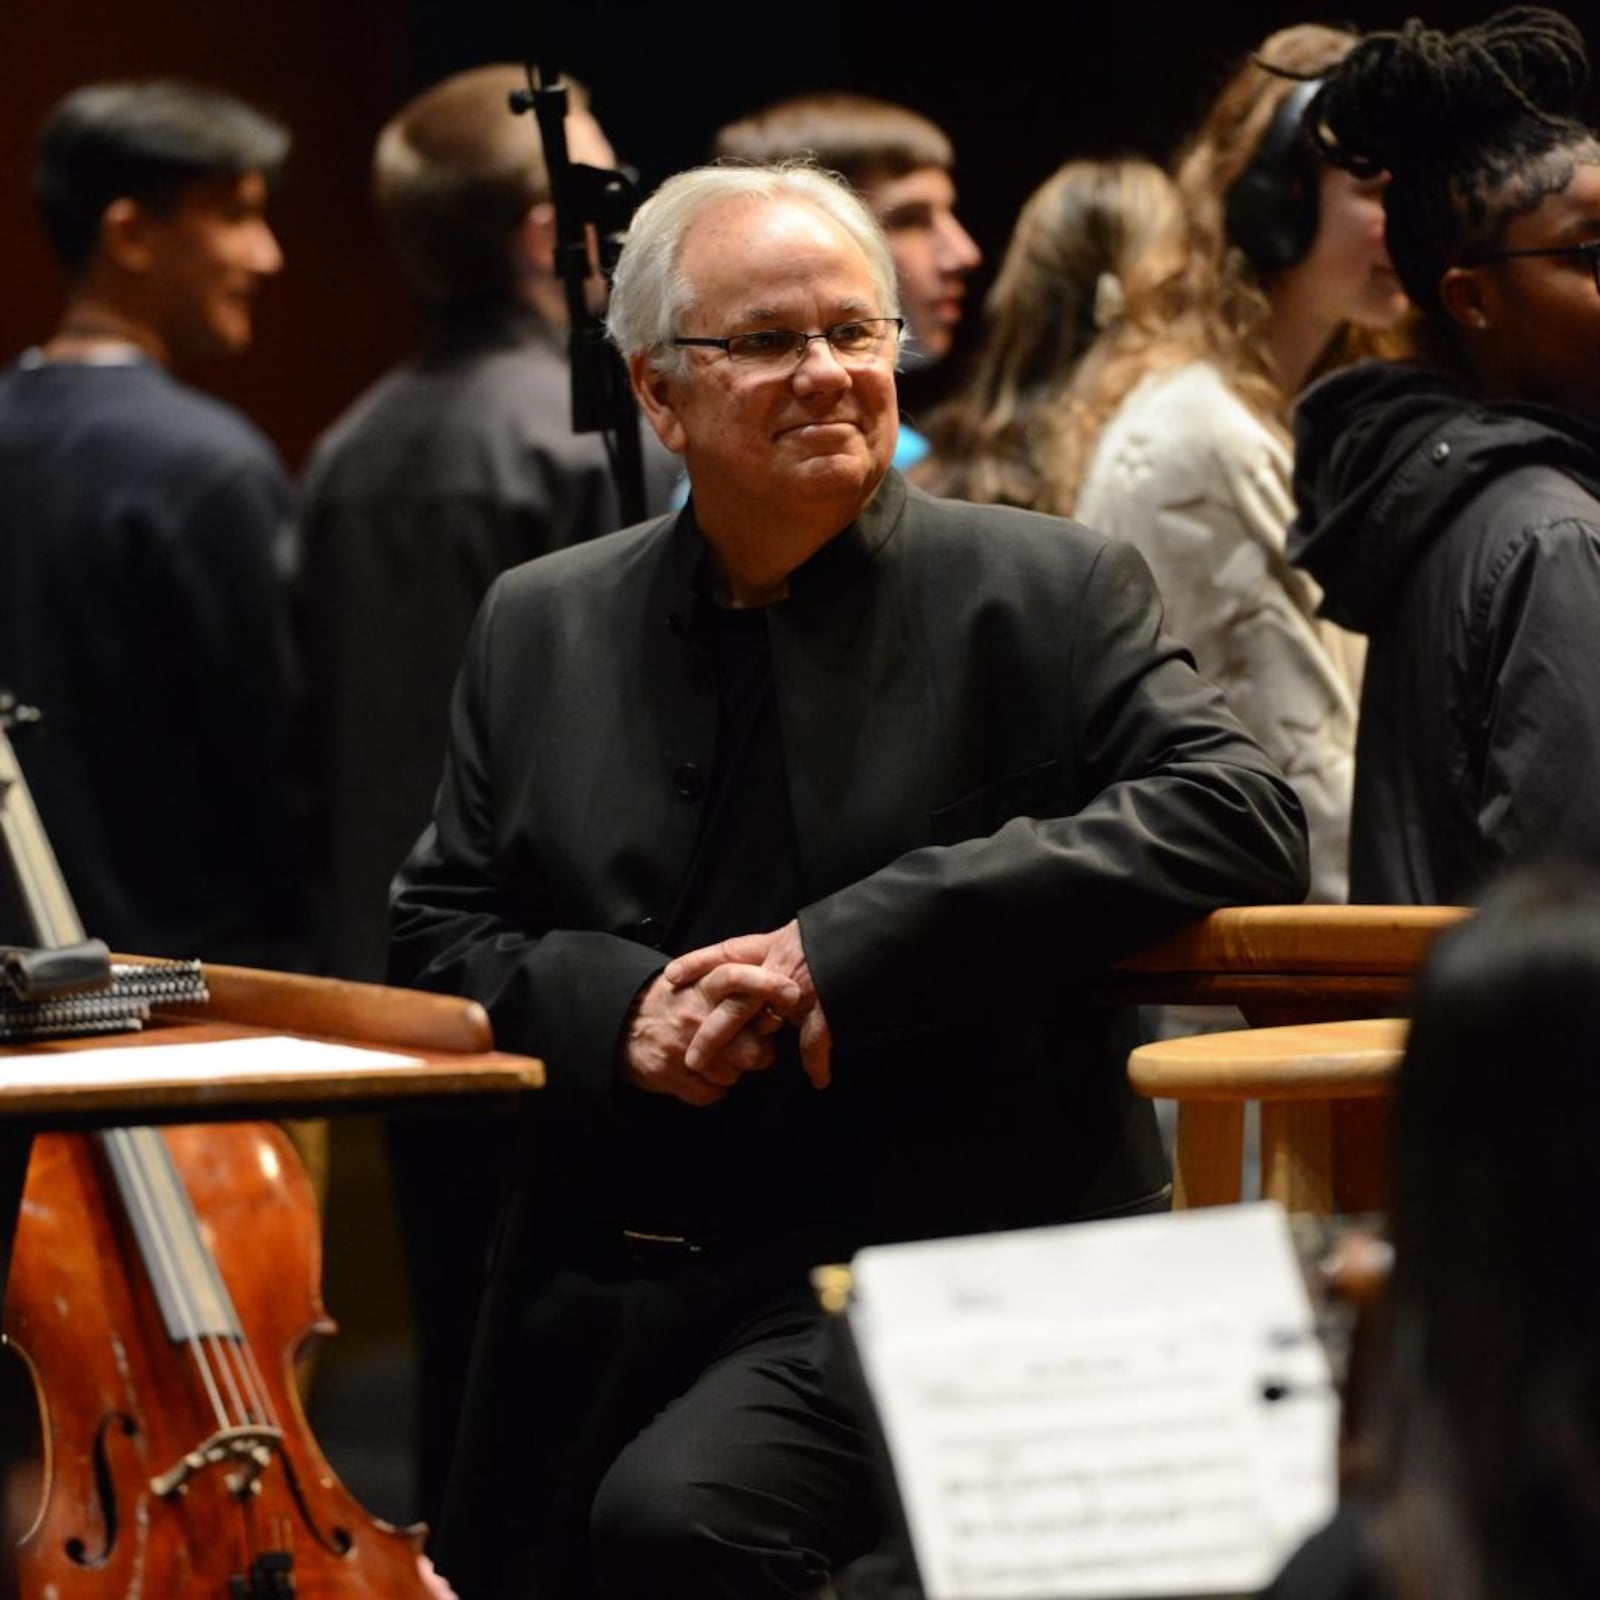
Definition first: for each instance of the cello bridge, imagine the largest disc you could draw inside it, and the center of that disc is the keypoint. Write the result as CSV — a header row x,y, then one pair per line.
x,y
248,1450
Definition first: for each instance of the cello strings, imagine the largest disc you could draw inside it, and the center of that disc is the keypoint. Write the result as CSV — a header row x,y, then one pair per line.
x,y
232,1352
135,1183
143,1195
242,1351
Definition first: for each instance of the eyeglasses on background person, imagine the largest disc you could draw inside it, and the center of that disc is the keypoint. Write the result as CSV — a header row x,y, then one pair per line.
x,y
1589,251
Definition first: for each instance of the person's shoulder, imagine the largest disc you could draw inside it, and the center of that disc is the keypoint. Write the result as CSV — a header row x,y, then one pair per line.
x,y
1183,437
1533,517
1532,507
524,384
364,413
188,419
497,420
1191,413
183,442
998,538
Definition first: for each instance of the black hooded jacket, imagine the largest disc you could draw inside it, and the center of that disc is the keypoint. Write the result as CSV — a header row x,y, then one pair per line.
x,y
1464,540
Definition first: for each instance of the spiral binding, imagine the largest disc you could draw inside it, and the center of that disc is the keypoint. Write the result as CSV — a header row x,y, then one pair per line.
x,y
124,1006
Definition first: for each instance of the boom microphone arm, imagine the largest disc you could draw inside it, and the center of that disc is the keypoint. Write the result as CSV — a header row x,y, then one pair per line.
x,y
585,197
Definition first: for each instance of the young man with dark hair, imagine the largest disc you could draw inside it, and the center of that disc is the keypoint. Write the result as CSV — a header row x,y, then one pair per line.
x,y
899,163
143,527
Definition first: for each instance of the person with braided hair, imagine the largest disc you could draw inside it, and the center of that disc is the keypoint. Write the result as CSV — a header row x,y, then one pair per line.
x,y
1450,509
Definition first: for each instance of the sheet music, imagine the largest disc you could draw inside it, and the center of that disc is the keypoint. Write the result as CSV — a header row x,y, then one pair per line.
x,y
262,1057
1083,1413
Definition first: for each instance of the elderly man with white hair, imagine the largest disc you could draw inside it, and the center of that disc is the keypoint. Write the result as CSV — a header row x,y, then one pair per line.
x,y
781,828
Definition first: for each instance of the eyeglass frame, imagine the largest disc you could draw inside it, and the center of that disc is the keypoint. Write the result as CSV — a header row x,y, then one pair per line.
x,y
802,340
1589,250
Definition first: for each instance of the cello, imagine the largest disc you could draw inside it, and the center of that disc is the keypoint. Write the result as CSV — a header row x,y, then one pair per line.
x,y
162,1285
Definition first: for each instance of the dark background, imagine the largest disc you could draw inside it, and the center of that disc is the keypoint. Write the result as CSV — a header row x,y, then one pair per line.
x,y
1020,88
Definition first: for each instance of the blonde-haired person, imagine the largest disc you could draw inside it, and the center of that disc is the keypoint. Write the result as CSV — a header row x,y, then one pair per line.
x,y
1178,434
1088,230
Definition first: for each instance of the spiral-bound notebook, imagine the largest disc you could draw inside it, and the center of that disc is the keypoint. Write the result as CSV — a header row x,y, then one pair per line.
x,y
122,1006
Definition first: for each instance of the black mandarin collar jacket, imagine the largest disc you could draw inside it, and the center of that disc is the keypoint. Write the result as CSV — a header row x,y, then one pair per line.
x,y
1003,776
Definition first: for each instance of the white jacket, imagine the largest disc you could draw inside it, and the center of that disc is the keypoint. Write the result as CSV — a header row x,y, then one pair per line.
x,y
1193,478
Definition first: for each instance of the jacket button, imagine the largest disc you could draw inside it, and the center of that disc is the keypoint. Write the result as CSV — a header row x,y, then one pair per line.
x,y
649,931
688,781
1441,453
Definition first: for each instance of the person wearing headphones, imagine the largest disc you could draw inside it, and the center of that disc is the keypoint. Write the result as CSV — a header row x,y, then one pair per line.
x,y
1177,436
1450,508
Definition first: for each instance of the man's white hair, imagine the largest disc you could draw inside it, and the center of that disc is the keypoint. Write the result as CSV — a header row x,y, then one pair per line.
x,y
649,294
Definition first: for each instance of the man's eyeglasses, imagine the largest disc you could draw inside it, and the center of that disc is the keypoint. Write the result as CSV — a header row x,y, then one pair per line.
x,y
855,343
1589,250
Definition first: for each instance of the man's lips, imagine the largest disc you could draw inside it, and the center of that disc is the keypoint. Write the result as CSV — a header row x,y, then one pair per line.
x,y
819,425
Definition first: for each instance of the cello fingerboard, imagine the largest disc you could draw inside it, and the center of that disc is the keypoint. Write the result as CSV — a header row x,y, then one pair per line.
x,y
194,1301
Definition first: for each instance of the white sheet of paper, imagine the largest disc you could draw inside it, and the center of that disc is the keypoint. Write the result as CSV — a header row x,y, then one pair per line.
x,y
1079,1413
260,1057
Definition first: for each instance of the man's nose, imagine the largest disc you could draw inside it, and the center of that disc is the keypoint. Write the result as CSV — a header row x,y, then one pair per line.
x,y
958,250
265,254
813,369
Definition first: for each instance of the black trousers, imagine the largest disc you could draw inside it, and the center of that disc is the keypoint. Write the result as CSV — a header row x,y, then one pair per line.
x,y
663,1425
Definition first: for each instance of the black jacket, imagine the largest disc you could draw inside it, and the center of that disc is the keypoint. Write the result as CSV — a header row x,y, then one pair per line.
x,y
1464,540
1002,775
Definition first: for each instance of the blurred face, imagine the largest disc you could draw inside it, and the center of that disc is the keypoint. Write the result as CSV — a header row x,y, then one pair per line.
x,y
1533,322
812,438
1346,276
205,260
586,144
933,254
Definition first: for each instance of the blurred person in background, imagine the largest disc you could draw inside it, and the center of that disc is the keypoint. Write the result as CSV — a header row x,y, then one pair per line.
x,y
901,164
1082,234
145,535
1179,441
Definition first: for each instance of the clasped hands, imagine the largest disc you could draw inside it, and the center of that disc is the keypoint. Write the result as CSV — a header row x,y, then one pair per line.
x,y
708,1017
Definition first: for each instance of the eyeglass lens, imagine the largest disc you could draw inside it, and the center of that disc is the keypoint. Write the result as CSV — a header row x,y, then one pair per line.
x,y
859,340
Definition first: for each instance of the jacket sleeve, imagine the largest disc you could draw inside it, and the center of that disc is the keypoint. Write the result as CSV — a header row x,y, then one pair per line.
x,y
1185,814
1536,699
562,994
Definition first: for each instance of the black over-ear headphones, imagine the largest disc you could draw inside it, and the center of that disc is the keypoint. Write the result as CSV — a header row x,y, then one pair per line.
x,y
1270,209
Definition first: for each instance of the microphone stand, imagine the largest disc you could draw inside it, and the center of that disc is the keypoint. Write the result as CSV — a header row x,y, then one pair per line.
x,y
585,197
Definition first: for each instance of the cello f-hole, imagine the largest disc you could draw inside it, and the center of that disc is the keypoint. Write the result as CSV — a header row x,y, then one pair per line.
x,y
105,1493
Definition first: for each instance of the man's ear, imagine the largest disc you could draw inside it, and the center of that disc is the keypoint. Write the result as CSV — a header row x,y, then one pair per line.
x,y
655,392
126,235
1466,297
